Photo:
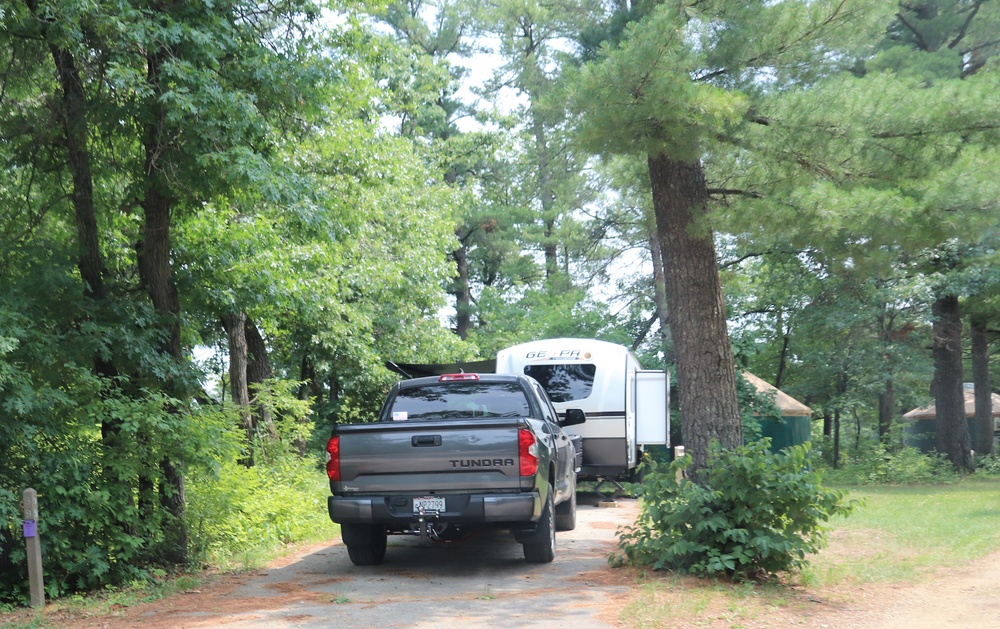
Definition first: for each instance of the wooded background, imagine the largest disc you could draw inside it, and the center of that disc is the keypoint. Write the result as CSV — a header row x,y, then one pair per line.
x,y
219,218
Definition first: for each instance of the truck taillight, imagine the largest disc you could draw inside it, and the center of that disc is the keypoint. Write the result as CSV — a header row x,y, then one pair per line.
x,y
527,448
333,458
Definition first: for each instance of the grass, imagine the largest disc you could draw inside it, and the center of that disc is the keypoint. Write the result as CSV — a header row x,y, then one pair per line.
x,y
903,532
899,535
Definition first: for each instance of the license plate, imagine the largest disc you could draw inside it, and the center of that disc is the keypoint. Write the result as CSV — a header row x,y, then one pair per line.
x,y
428,504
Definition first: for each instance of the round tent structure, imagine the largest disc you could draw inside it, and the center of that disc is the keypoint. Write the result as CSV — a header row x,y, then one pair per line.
x,y
919,431
794,428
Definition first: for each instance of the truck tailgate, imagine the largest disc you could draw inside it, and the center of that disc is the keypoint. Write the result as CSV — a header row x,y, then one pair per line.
x,y
446,455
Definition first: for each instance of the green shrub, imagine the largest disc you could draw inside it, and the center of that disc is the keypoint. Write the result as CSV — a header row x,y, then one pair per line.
x,y
880,465
757,514
244,515
96,528
988,466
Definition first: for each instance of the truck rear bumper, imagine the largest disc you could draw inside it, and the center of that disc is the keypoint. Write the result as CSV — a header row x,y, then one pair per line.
x,y
462,509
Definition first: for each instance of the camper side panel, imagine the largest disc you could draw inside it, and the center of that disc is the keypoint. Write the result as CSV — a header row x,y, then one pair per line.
x,y
590,375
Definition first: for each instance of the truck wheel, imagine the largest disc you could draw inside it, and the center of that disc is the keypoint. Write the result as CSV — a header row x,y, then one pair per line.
x,y
365,543
566,513
544,549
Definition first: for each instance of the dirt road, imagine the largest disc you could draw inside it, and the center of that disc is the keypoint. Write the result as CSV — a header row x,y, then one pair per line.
x,y
481,581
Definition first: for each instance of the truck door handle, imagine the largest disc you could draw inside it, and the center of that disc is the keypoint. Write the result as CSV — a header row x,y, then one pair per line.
x,y
425,441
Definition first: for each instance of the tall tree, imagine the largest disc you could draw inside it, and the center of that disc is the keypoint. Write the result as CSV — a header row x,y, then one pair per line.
x,y
162,108
531,38
918,149
984,443
669,82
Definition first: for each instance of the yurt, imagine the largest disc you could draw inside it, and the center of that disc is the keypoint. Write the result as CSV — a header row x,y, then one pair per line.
x,y
919,428
794,427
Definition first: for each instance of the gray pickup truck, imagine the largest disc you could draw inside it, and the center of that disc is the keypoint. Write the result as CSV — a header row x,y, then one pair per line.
x,y
453,454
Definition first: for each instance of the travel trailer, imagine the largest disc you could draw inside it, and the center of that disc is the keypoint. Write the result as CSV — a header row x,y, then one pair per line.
x,y
627,407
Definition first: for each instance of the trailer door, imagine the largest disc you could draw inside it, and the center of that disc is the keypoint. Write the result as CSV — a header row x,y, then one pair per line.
x,y
652,407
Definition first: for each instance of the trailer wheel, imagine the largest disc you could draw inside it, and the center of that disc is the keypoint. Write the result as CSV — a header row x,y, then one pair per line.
x,y
365,543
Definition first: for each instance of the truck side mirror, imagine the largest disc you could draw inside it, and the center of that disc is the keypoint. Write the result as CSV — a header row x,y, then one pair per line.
x,y
574,416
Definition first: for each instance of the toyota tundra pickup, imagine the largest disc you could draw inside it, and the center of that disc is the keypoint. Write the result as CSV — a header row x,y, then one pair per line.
x,y
453,454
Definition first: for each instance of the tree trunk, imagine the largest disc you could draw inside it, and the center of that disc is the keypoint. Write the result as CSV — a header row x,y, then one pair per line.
x,y
951,429
157,275
311,386
235,326
258,373
786,339
706,373
886,410
463,296
887,398
73,118
546,193
659,289
836,438
984,444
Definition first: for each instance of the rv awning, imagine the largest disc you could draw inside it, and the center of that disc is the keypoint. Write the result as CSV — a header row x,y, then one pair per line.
x,y
418,370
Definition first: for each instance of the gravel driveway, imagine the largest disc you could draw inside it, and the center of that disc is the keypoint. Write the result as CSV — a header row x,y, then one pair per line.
x,y
482,581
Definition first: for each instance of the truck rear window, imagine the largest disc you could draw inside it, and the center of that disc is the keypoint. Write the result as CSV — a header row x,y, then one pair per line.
x,y
564,383
458,400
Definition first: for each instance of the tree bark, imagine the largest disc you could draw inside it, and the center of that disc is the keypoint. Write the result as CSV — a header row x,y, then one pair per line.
x,y
886,410
235,326
258,373
706,374
546,195
157,275
984,443
463,296
659,289
73,119
951,429
836,438
786,339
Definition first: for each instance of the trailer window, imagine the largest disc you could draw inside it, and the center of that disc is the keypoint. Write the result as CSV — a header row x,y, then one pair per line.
x,y
564,383
462,400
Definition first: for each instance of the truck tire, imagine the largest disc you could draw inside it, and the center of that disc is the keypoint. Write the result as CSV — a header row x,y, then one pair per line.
x,y
365,543
566,513
542,547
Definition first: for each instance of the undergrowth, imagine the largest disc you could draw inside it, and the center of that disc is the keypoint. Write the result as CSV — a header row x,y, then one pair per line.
x,y
755,514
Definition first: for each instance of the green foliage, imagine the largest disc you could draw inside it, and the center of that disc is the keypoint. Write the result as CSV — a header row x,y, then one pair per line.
x,y
97,530
882,465
241,515
988,466
755,514
754,405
